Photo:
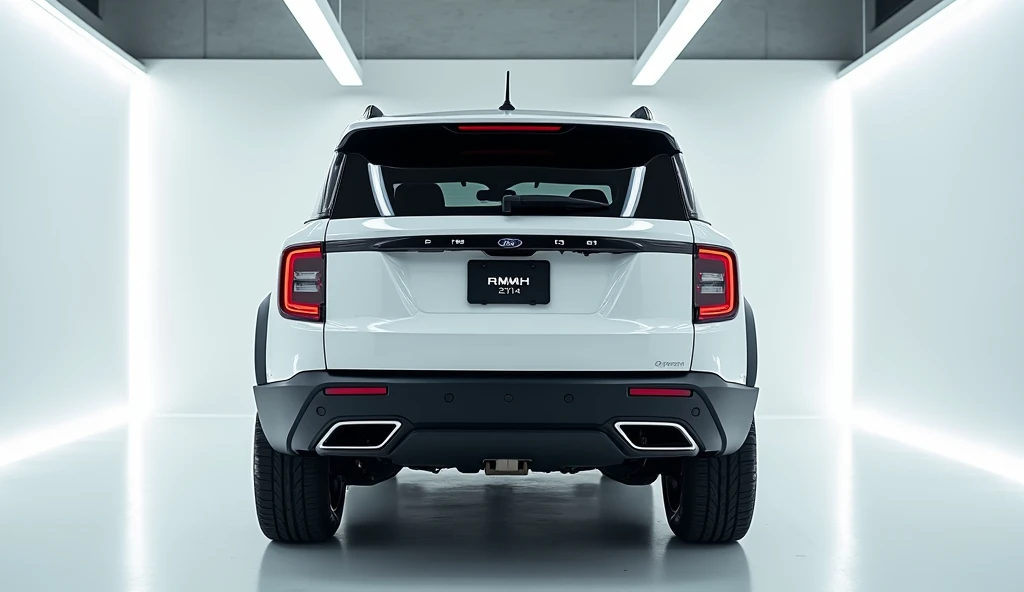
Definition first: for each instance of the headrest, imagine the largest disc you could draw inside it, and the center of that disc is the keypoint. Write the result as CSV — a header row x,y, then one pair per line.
x,y
590,195
418,199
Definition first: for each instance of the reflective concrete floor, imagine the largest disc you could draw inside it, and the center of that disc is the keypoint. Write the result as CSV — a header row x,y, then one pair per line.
x,y
168,507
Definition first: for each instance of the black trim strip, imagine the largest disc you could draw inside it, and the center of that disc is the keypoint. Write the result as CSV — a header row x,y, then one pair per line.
x,y
260,357
748,314
511,244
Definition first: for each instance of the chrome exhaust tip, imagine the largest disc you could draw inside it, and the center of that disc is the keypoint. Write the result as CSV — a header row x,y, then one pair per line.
x,y
658,436
359,435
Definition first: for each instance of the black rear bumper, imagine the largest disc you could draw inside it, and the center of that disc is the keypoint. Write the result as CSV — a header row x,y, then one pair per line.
x,y
460,419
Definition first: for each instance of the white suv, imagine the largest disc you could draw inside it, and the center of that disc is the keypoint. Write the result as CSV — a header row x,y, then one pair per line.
x,y
506,291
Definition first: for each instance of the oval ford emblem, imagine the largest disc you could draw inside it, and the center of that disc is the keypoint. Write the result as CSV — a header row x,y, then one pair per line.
x,y
509,243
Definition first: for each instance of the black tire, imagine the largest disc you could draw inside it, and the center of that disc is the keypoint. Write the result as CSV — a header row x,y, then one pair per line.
x,y
298,500
711,500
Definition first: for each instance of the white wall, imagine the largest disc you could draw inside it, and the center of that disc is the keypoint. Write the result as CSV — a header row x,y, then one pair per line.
x,y
63,205
241,147
939,142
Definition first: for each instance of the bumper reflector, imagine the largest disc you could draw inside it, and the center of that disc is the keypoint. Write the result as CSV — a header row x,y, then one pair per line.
x,y
356,390
658,392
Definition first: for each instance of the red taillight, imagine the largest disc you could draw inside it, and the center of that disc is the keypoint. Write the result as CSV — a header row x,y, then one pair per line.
x,y
356,390
510,128
714,283
302,282
658,392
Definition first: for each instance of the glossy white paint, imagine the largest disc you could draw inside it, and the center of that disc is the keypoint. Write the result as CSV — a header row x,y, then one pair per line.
x,y
705,234
408,311
519,116
720,347
294,346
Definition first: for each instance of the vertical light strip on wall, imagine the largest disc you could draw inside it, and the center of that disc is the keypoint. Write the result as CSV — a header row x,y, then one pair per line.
x,y
841,258
323,29
677,30
74,27
141,256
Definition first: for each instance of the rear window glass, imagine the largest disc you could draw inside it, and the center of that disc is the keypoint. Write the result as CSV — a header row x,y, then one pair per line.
x,y
438,170
464,194
480,190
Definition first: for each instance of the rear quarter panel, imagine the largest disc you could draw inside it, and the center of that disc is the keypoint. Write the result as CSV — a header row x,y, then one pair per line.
x,y
720,347
294,346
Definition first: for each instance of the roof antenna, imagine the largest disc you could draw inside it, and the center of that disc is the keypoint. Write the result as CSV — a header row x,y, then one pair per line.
x,y
506,106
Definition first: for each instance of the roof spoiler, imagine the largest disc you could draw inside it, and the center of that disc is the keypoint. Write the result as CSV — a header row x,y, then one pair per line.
x,y
642,113
372,112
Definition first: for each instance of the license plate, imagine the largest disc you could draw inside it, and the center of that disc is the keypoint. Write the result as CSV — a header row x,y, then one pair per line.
x,y
509,282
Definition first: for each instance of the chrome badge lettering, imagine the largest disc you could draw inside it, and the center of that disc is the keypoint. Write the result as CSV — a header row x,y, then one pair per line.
x,y
509,243
508,281
661,364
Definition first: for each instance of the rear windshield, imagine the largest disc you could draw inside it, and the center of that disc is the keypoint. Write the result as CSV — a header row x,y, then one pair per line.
x,y
446,170
480,190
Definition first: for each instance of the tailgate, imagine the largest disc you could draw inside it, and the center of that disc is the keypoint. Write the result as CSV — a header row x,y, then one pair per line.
x,y
508,293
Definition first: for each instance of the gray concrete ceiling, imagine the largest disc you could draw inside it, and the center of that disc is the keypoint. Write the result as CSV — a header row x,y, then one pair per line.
x,y
480,29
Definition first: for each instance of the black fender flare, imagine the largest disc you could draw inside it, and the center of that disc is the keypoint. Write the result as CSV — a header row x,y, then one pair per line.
x,y
748,315
260,344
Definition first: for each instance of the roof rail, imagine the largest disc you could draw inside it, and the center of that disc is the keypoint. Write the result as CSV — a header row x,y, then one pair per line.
x,y
642,113
372,112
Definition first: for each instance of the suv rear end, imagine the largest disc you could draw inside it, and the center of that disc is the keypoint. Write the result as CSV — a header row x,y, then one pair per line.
x,y
505,292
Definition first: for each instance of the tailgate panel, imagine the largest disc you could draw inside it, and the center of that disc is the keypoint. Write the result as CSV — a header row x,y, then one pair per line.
x,y
410,311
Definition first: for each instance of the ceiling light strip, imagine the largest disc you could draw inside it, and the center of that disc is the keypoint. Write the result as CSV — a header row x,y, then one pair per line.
x,y
90,36
677,30
914,34
321,25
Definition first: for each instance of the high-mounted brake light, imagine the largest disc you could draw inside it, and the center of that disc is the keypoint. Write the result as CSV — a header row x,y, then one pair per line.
x,y
716,293
658,392
356,390
510,128
302,282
